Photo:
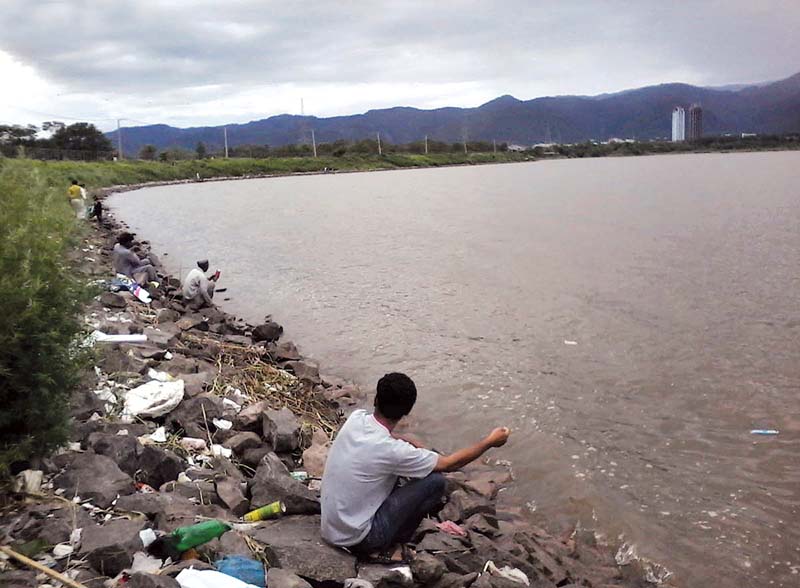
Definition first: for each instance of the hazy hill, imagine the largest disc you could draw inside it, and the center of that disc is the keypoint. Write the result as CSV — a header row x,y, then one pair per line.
x,y
643,113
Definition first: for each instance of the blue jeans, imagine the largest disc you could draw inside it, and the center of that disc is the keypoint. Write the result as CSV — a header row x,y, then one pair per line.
x,y
402,512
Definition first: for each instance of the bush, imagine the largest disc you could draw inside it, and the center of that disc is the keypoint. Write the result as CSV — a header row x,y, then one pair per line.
x,y
41,302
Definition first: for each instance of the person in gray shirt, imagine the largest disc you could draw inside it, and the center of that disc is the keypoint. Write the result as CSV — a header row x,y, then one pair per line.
x,y
127,263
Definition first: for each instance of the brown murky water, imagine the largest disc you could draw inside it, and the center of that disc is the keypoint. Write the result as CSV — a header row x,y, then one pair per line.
x,y
632,319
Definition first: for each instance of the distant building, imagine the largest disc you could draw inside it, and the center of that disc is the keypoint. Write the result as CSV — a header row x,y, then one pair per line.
x,y
514,147
678,124
695,130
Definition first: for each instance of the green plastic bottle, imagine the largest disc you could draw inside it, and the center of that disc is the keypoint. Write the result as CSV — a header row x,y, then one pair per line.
x,y
188,537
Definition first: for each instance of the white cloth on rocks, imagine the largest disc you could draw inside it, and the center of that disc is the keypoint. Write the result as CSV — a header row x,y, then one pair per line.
x,y
363,465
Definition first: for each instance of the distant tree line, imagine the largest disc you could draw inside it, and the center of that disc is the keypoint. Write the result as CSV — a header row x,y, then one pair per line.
x,y
55,140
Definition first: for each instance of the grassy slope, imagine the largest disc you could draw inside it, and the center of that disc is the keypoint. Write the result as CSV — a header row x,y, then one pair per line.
x,y
104,174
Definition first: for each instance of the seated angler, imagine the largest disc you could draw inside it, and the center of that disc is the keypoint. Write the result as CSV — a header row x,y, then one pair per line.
x,y
127,263
363,507
198,290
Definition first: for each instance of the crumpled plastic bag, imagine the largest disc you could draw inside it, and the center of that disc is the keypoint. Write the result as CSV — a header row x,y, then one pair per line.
x,y
153,399
507,572
192,578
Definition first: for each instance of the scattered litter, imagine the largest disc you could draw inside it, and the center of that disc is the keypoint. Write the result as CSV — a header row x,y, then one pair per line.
x,y
193,444
300,476
625,554
269,511
451,528
62,550
220,451
153,399
145,563
147,536
122,432
357,583
75,537
192,578
230,403
507,572
28,481
246,569
160,376
159,435
764,432
222,424
568,342
100,337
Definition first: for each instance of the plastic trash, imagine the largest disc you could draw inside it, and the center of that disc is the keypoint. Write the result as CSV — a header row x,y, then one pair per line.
x,y
220,451
300,475
451,528
265,512
28,481
62,550
357,583
507,572
243,568
193,444
194,535
153,399
764,432
159,435
160,376
222,424
100,337
568,342
147,536
145,563
192,578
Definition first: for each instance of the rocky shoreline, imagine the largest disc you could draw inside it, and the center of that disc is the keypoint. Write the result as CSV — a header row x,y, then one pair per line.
x,y
211,417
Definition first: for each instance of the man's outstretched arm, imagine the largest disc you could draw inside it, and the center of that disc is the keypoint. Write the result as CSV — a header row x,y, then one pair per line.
x,y
454,461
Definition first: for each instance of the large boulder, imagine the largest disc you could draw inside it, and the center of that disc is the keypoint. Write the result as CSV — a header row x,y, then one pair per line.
x,y
272,482
123,449
92,476
249,418
463,504
305,371
427,569
230,493
294,544
157,466
109,548
281,429
269,331
190,415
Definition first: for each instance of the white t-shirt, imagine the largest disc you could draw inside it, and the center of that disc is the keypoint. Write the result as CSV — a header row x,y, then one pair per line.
x,y
361,471
195,282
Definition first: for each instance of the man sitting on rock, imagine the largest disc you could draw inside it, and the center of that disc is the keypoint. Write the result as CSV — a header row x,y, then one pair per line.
x,y
363,508
127,263
198,290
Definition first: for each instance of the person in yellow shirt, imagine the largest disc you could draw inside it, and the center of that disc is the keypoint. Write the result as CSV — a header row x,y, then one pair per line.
x,y
75,199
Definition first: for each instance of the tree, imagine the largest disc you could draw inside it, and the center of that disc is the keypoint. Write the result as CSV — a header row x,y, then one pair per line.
x,y
201,150
81,137
148,153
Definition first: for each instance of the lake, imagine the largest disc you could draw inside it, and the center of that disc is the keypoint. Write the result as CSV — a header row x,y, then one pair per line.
x,y
631,319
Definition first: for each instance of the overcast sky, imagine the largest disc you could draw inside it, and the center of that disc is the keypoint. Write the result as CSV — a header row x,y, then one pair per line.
x,y
202,62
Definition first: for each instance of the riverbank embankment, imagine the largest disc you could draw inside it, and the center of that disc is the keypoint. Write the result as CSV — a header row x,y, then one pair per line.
x,y
250,413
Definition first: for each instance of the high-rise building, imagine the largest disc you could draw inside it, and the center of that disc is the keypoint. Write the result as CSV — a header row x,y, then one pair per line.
x,y
678,124
695,130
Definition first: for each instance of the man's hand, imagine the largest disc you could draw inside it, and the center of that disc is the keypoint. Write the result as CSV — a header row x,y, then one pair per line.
x,y
498,437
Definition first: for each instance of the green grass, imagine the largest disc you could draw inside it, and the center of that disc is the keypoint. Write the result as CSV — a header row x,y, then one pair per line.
x,y
107,173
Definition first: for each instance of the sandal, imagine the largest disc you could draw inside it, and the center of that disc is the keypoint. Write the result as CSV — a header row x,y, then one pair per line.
x,y
401,554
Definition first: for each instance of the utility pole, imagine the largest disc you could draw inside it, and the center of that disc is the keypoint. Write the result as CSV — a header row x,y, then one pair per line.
x,y
119,139
426,144
494,145
465,144
314,142
379,144
225,132
302,108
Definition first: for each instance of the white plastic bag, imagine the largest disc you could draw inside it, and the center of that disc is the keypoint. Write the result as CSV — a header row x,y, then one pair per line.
x,y
153,399
192,578
507,572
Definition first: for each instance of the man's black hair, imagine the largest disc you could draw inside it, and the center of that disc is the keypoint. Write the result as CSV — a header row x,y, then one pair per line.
x,y
74,182
125,239
396,395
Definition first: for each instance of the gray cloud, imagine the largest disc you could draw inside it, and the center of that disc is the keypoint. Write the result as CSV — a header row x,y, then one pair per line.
x,y
174,53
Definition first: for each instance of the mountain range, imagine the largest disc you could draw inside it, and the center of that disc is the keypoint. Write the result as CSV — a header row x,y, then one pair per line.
x,y
642,113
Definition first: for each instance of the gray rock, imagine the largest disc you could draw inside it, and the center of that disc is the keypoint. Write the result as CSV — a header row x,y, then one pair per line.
x,y
286,351
142,580
485,524
89,578
383,576
18,579
294,544
269,331
167,315
427,569
195,384
123,449
464,504
179,365
281,429
189,415
176,568
272,482
192,321
230,493
231,543
109,548
305,371
252,457
278,578
249,418
84,403
451,580
113,300
158,466
237,339
241,442
92,476
163,336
